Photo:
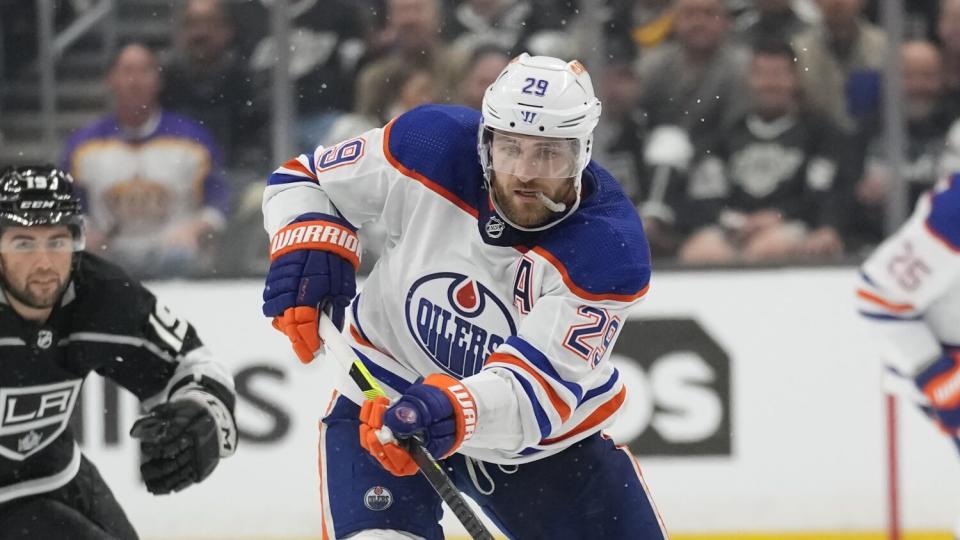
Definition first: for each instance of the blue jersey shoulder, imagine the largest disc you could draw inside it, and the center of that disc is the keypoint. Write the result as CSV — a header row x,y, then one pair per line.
x,y
170,125
602,245
439,143
944,218
175,125
103,127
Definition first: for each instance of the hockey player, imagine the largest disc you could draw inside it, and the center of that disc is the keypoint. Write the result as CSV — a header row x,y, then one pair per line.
x,y
492,311
63,314
910,294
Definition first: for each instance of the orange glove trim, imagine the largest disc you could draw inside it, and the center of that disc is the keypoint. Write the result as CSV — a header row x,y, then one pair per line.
x,y
464,407
943,391
318,234
300,325
391,456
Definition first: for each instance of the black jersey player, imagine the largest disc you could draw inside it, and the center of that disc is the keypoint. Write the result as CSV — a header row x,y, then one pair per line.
x,y
63,314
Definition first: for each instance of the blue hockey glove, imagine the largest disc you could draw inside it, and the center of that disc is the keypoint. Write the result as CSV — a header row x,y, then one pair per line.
x,y
440,411
313,265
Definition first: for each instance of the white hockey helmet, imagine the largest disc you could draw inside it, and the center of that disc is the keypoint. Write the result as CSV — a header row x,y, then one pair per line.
x,y
541,96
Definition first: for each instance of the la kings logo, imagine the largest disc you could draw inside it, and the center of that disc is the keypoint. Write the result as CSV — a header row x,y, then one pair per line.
x,y
31,417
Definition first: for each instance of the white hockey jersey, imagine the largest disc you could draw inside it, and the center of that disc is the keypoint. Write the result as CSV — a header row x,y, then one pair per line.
x,y
526,320
910,286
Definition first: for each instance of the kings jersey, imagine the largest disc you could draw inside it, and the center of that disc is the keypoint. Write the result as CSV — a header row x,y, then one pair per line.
x,y
105,322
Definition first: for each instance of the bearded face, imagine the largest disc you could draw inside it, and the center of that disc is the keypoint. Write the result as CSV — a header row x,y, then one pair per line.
x,y
36,264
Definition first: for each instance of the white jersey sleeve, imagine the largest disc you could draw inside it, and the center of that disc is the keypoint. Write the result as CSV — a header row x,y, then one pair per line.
x,y
351,179
910,286
552,384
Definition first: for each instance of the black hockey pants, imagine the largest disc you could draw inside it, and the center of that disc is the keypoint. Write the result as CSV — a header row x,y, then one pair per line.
x,y
83,509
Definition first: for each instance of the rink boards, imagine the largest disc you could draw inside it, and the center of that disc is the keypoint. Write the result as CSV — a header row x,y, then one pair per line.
x,y
754,406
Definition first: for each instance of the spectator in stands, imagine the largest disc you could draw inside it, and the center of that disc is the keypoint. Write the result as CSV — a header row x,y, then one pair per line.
x,y
948,29
402,88
484,66
150,177
698,81
619,136
18,33
205,80
928,120
769,20
773,187
919,17
619,142
326,44
641,25
515,25
840,63
411,37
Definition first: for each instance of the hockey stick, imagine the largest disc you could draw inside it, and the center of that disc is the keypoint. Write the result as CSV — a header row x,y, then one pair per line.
x,y
338,347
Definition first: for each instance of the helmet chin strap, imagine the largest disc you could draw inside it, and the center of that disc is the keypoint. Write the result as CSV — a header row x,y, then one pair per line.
x,y
551,205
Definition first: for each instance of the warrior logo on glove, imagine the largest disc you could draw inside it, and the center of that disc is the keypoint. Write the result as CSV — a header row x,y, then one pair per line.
x,y
439,411
313,267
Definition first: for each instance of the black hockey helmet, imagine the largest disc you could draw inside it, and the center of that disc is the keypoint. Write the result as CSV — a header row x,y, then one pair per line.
x,y
35,195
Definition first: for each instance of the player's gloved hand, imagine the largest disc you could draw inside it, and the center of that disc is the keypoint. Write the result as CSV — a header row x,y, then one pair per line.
x,y
313,265
387,451
439,411
178,445
940,383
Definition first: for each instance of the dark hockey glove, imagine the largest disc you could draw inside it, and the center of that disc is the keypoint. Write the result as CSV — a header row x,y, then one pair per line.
x,y
178,445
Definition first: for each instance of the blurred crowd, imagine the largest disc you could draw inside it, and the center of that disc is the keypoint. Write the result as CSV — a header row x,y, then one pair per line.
x,y
745,131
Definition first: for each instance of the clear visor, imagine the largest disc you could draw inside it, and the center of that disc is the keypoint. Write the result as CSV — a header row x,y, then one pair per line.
x,y
532,157
14,242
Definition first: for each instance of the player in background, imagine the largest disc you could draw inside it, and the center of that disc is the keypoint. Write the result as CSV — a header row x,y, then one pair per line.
x,y
510,262
63,314
910,295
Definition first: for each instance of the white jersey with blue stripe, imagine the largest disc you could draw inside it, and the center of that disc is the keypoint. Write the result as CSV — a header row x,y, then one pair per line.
x,y
526,320
910,286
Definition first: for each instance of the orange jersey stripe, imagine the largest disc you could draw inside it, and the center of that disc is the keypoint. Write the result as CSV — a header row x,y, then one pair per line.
x,y
896,308
358,338
643,483
360,341
323,514
596,417
295,165
582,293
430,184
558,404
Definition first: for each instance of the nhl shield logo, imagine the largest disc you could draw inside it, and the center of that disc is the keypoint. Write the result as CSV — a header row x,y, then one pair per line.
x,y
378,498
495,227
44,339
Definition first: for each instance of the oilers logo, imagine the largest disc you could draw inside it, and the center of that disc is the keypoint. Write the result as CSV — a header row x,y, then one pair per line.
x,y
378,498
456,321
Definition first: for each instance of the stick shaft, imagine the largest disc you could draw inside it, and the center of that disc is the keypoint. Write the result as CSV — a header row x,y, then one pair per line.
x,y
344,354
